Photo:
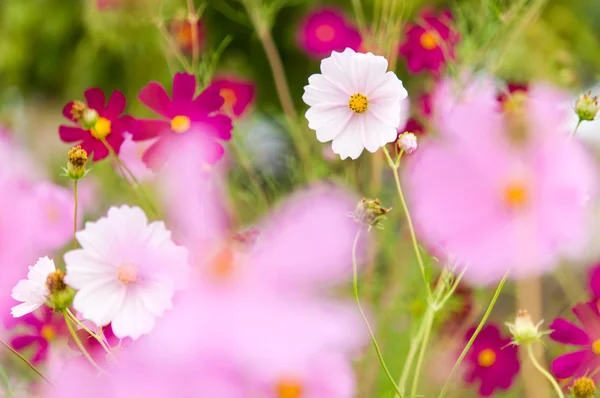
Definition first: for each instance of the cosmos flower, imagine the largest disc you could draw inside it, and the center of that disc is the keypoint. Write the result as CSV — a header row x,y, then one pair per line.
x,y
237,93
354,102
510,203
491,362
429,43
109,124
181,30
587,338
325,30
32,292
184,113
54,215
38,330
121,274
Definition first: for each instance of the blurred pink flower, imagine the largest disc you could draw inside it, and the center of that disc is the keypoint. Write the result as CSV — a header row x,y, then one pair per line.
x,y
516,191
181,29
594,281
185,114
104,5
491,361
113,123
237,93
430,42
325,30
132,153
54,215
120,271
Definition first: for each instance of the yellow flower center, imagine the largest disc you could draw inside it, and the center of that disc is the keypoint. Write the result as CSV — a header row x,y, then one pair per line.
x,y
289,388
429,40
48,332
127,274
180,124
486,358
325,32
101,129
516,195
596,347
358,103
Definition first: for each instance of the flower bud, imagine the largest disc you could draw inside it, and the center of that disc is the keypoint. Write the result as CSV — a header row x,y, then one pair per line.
x,y
407,142
586,106
584,387
523,330
61,295
370,213
89,119
76,164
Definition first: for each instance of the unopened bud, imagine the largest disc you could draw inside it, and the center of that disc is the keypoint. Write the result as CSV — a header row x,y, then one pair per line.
x,y
584,387
76,164
370,213
89,119
407,142
524,331
586,106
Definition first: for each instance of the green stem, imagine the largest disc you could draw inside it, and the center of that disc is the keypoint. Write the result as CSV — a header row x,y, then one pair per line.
x,y
80,345
414,346
474,336
22,358
394,167
544,372
76,202
355,288
249,169
576,128
428,323
94,335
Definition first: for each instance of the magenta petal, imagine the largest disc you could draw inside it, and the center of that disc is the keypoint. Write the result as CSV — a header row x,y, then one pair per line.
x,y
184,88
156,98
209,101
41,353
71,134
115,140
565,332
218,126
116,105
589,317
67,111
155,156
95,99
21,342
147,129
594,282
568,365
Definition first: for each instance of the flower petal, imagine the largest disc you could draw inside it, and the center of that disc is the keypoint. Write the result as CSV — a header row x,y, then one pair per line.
x,y
328,122
565,332
218,126
156,98
184,88
24,309
71,134
568,365
594,281
116,105
208,101
147,129
100,302
321,90
349,142
133,319
20,342
95,99
67,112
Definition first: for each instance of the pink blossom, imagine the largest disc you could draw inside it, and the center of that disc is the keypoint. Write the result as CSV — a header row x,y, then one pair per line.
x,y
131,154
55,211
237,93
515,190
326,30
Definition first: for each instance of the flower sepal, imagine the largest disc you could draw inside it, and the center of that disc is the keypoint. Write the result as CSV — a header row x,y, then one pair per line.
x,y
524,331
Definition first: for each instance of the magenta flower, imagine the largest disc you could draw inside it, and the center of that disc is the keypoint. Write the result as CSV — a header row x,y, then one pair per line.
x,y
587,359
491,362
238,94
184,113
39,329
594,281
430,42
110,125
326,30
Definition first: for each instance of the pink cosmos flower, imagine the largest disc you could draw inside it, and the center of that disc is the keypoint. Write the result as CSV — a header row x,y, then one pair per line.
x,y
238,94
54,215
325,30
430,42
594,281
516,191
111,124
184,114
37,330
491,362
586,360
132,153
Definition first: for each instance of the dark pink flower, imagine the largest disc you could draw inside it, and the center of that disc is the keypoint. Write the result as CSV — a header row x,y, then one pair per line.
x,y
430,42
111,125
238,94
183,113
587,359
326,30
39,328
594,281
491,361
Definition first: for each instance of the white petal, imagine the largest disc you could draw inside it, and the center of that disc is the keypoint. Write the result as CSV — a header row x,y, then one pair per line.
x,y
377,134
388,113
336,69
157,295
101,302
328,122
133,319
322,90
367,70
30,291
24,309
349,142
390,87
40,271
84,269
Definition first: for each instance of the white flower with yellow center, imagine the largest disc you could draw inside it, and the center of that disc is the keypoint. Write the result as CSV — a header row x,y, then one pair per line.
x,y
355,102
33,291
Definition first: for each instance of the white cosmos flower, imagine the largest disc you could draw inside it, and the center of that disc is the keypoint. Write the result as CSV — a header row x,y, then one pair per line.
x,y
354,102
32,292
126,271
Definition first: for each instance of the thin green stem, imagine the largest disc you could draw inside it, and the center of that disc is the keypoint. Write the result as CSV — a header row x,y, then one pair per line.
x,y
250,171
544,372
94,335
355,288
394,167
414,346
22,358
79,344
474,336
428,325
576,128
76,204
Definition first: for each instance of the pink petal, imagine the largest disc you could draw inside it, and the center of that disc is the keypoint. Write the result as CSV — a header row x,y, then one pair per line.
x,y
184,88
21,342
218,126
71,134
569,364
208,101
67,111
594,283
156,98
565,332
41,353
147,129
115,140
116,105
95,99
588,316
154,157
